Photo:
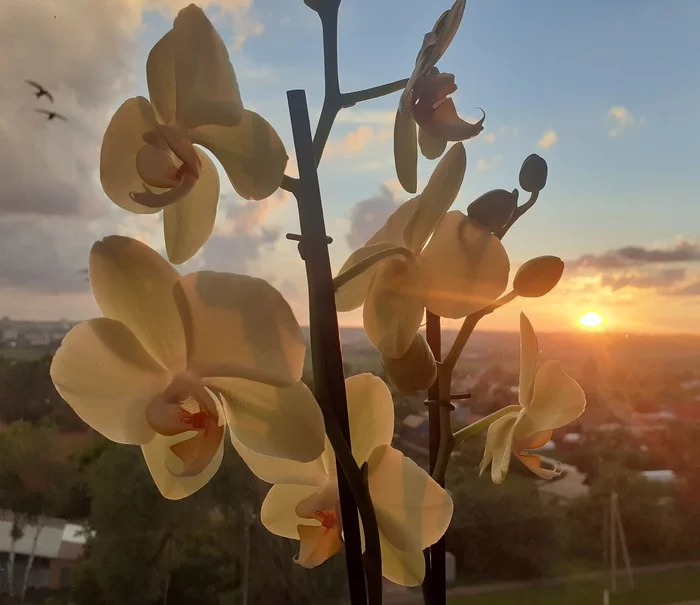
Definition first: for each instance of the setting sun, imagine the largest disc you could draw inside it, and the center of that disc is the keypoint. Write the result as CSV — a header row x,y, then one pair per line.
x,y
591,319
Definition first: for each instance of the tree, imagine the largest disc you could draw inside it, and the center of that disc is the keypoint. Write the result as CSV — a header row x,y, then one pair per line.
x,y
146,549
28,394
36,478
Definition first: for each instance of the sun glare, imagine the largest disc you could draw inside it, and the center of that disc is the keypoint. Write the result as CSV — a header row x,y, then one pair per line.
x,y
591,319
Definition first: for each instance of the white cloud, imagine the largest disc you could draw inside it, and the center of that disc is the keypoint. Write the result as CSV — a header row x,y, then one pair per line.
x,y
483,165
365,116
357,140
621,118
489,137
548,139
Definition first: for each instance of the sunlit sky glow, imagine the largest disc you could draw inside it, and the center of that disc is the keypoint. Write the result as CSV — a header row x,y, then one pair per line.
x,y
601,90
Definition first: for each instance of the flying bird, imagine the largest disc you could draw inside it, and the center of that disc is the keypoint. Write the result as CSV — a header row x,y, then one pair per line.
x,y
40,90
50,115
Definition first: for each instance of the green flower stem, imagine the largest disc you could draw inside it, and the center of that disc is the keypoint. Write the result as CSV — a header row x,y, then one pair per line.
x,y
475,428
519,211
347,276
446,442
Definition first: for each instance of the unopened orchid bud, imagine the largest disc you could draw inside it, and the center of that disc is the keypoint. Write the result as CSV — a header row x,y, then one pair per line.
x,y
415,371
533,173
538,276
494,208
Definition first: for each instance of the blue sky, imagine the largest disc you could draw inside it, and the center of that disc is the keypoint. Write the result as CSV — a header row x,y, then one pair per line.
x,y
607,92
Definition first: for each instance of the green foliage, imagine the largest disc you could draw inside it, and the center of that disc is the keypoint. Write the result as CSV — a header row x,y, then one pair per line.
x,y
195,550
501,531
27,394
36,475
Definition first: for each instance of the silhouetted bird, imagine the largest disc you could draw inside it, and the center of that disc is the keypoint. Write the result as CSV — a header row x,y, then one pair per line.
x,y
50,115
40,90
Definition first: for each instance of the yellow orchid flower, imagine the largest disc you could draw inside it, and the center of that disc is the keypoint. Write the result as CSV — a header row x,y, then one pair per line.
x,y
148,160
462,268
549,399
413,511
177,358
425,102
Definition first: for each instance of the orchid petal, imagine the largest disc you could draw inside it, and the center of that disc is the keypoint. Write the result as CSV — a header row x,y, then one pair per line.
x,y
134,285
371,414
557,399
406,149
108,378
160,77
189,223
252,154
437,197
206,87
413,511
466,267
120,145
278,512
394,307
281,470
318,544
239,326
160,459
400,567
431,147
260,416
529,360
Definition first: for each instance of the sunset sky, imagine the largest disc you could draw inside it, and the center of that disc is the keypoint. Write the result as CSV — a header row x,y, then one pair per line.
x,y
607,92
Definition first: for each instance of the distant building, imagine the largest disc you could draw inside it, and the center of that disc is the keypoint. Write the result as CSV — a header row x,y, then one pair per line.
x,y
59,545
571,484
662,476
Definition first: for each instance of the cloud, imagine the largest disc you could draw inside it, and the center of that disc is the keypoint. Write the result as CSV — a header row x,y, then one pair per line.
x,y
241,233
621,118
49,167
369,215
366,116
548,139
357,140
483,165
489,137
684,250
692,289
661,280
46,255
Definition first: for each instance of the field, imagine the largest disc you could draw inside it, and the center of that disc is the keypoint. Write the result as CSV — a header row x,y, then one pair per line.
x,y
662,588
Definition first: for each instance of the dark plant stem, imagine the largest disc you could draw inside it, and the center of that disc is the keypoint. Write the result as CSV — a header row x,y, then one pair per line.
x,y
332,97
519,211
349,99
329,384
434,585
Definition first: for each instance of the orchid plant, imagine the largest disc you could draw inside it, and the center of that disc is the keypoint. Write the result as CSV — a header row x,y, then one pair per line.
x,y
178,362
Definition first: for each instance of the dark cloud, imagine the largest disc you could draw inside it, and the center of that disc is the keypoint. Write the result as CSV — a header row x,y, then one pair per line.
x,y
369,215
691,289
82,51
241,234
682,251
661,280
46,255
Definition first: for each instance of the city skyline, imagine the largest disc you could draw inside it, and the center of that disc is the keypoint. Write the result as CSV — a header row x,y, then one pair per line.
x,y
600,91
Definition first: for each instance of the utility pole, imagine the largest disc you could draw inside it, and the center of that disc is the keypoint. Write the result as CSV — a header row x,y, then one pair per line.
x,y
614,534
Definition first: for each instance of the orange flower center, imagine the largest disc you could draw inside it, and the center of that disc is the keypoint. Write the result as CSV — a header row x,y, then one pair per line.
x,y
328,518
